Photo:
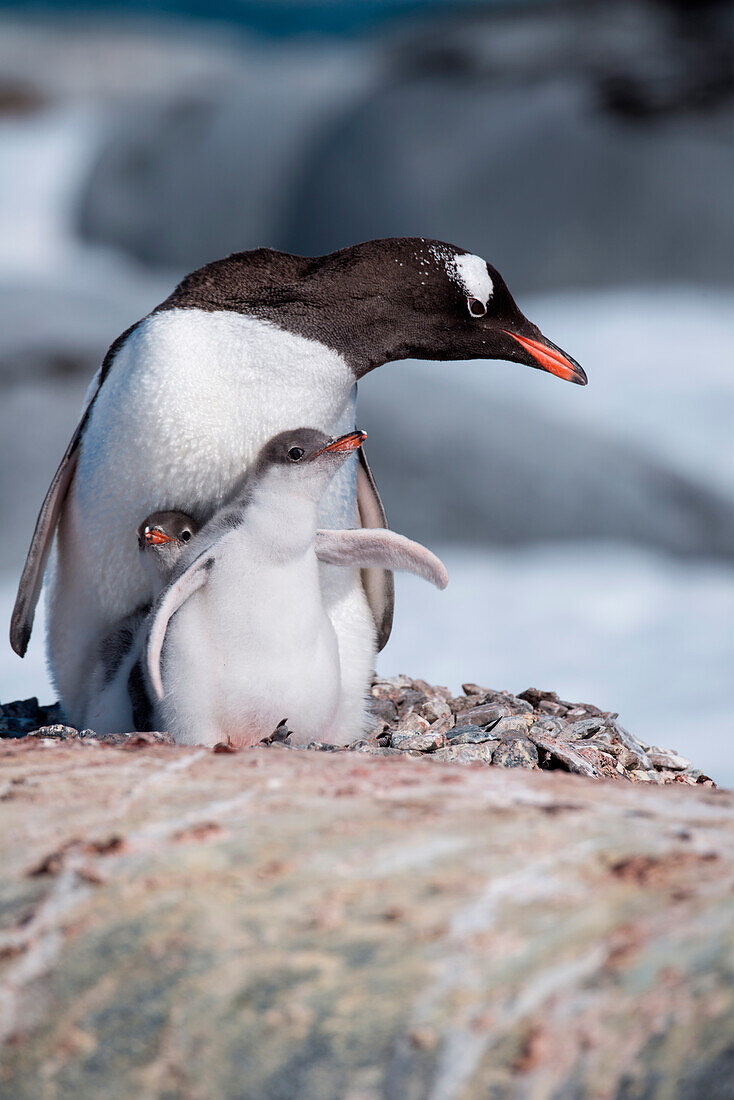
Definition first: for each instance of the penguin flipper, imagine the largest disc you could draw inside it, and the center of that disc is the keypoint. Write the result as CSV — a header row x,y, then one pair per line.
x,y
382,549
31,579
378,582
168,604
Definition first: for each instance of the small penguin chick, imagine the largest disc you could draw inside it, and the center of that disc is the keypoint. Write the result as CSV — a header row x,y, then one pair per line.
x,y
247,631
251,571
116,693
162,537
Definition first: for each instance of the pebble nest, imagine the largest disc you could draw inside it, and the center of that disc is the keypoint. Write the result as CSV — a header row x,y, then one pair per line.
x,y
534,729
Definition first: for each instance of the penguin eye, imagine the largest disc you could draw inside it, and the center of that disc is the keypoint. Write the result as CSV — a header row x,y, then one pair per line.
x,y
476,308
295,454
185,536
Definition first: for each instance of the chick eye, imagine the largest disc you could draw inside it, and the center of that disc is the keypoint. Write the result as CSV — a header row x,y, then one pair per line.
x,y
476,308
185,536
295,454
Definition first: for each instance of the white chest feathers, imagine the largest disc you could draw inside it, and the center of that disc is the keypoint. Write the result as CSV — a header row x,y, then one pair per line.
x,y
192,396
190,399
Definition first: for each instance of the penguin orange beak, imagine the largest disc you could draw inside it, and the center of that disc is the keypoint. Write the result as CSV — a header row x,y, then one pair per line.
x,y
350,442
154,537
550,358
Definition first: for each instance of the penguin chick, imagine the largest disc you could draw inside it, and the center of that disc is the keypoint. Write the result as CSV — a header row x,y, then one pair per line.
x,y
162,537
247,634
118,699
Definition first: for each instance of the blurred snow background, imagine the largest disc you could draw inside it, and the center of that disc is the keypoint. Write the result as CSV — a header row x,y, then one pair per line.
x,y
586,150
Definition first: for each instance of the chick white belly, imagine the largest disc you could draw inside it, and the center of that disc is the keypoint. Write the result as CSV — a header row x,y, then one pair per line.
x,y
239,660
188,403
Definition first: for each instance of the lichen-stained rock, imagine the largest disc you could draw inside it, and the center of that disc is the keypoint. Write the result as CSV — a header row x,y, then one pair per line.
x,y
265,923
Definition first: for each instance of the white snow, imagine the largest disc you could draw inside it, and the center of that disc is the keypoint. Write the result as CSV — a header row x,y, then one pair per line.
x,y
473,275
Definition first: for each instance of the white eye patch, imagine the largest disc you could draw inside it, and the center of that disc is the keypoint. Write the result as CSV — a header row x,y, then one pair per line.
x,y
472,275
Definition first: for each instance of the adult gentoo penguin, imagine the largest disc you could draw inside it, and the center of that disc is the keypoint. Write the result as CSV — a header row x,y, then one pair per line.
x,y
248,638
242,349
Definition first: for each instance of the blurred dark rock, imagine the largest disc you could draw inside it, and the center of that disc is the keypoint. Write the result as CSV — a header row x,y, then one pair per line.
x,y
186,179
512,133
528,156
24,716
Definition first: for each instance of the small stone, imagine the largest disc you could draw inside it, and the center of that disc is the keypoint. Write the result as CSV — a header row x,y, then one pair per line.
x,y
419,742
391,688
61,733
562,752
487,715
516,753
535,696
603,762
584,728
514,703
408,728
384,709
474,689
460,703
666,758
557,727
432,689
413,723
444,725
435,709
410,701
629,741
511,726
466,754
379,750
627,759
468,735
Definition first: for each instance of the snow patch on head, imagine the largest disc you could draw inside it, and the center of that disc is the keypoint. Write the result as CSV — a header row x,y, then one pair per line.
x,y
473,276
468,271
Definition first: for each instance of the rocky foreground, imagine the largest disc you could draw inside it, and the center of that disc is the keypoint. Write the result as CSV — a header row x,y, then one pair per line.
x,y
534,729
214,925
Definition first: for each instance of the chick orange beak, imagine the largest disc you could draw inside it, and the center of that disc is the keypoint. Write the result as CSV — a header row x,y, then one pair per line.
x,y
152,536
551,359
350,442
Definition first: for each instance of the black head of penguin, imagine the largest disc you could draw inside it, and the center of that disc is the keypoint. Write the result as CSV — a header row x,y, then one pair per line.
x,y
379,301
